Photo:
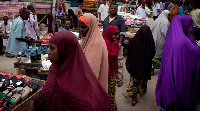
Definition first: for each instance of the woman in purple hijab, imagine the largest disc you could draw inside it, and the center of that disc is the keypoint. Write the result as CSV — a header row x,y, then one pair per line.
x,y
179,78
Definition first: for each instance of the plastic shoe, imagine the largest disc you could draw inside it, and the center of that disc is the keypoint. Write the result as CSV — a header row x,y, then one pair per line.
x,y
8,93
16,98
40,84
25,92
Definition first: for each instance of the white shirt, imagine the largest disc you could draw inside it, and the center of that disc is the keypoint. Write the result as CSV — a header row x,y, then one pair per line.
x,y
103,9
155,10
7,27
142,12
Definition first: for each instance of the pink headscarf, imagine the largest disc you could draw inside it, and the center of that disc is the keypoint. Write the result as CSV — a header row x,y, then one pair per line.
x,y
112,48
71,84
94,48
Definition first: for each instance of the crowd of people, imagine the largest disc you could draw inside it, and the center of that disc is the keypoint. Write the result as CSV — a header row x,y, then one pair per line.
x,y
84,75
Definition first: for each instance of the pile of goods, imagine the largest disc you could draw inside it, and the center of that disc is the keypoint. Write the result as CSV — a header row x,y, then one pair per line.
x,y
135,20
15,89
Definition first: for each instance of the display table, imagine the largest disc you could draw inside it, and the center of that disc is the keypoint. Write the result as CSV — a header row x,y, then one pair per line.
x,y
22,104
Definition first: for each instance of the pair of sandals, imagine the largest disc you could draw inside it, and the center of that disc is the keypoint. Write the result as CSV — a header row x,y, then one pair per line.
x,y
12,97
16,90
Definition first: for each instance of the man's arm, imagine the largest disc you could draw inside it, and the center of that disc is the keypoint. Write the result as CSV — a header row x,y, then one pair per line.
x,y
19,31
122,30
99,17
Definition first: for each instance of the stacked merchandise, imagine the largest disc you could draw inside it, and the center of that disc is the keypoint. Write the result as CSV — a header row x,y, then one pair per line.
x,y
46,1
11,9
16,90
135,20
42,8
89,3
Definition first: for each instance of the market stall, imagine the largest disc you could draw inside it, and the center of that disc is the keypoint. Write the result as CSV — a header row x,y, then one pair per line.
x,y
35,60
17,91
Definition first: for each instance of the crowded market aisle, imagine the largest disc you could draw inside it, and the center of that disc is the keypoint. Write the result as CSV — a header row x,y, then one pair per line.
x,y
146,103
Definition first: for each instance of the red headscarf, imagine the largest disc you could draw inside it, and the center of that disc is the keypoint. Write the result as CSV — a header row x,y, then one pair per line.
x,y
112,48
71,84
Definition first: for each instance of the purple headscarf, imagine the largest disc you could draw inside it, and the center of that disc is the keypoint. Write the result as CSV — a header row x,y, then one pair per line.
x,y
179,77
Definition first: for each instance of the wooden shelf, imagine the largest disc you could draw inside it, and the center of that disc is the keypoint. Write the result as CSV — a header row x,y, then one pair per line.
x,y
88,8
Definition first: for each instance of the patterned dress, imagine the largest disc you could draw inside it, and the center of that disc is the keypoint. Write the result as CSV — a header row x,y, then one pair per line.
x,y
112,91
135,87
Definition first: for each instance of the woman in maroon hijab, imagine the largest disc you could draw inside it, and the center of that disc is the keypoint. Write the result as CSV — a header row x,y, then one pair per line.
x,y
71,83
110,36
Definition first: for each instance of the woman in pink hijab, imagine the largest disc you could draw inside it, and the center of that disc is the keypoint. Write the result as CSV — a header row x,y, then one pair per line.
x,y
71,83
94,47
110,36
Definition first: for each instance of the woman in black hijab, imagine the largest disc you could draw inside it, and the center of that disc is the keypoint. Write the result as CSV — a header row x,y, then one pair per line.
x,y
139,61
73,18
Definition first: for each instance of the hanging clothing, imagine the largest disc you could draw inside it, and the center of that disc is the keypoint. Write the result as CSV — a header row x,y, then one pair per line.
x,y
173,12
159,30
179,76
140,53
95,50
71,84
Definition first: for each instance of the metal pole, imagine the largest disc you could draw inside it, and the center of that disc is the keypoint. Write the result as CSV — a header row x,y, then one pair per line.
x,y
53,12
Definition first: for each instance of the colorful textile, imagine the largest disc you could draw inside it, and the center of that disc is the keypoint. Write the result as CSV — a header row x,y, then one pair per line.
x,y
95,50
71,84
112,47
112,91
179,77
136,87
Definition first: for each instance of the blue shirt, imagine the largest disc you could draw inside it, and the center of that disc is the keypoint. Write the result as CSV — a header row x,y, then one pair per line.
x,y
117,21
14,46
180,11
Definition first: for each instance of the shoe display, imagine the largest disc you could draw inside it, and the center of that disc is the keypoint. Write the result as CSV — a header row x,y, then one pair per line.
x,y
14,90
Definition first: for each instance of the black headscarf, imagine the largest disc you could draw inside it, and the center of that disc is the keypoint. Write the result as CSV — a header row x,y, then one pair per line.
x,y
72,20
140,53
